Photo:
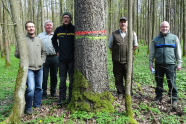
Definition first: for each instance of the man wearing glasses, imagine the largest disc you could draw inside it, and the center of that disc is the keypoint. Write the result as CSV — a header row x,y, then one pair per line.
x,y
63,42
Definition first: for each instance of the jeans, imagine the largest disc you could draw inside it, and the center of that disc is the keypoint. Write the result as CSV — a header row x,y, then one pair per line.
x,y
51,65
34,90
63,69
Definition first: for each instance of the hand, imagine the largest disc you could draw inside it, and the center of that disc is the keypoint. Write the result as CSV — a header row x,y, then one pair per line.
x,y
150,67
178,68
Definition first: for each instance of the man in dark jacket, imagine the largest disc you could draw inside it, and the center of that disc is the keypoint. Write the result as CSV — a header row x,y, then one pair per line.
x,y
65,50
166,50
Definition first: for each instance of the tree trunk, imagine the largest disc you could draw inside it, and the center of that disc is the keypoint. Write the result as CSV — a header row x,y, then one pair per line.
x,y
61,12
5,38
184,28
128,103
90,87
19,100
1,39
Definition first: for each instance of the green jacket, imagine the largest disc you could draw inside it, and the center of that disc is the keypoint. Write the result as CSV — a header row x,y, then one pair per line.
x,y
165,50
36,52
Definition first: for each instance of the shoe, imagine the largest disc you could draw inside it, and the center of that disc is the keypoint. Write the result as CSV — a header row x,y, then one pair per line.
x,y
28,111
120,96
158,99
174,104
60,102
54,95
40,107
44,97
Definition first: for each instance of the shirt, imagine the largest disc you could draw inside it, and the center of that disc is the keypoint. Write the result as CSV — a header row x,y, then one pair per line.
x,y
46,39
135,42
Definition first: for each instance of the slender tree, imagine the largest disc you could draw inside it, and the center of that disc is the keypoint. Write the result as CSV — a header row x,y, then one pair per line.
x,y
128,103
19,100
184,28
5,37
90,87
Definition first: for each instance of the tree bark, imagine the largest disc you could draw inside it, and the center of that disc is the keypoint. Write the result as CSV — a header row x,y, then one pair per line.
x,y
128,103
90,87
5,38
184,28
19,100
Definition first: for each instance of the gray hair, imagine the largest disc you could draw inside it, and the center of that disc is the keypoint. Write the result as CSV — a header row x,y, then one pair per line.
x,y
47,22
165,22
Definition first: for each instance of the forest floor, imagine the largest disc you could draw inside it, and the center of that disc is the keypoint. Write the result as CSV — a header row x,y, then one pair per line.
x,y
145,110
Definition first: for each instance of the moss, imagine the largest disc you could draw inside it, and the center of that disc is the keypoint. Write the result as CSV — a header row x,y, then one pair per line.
x,y
128,106
84,99
184,55
7,64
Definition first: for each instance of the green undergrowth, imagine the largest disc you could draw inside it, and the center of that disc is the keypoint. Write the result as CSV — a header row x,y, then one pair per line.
x,y
143,80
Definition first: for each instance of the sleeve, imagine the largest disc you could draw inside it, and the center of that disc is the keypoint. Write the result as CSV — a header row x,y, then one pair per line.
x,y
135,41
178,52
151,53
43,52
54,41
110,43
17,52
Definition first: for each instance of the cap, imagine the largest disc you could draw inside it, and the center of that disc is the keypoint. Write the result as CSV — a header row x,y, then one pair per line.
x,y
123,18
67,13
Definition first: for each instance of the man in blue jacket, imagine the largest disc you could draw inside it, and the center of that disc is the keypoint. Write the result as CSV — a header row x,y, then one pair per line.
x,y
166,50
65,50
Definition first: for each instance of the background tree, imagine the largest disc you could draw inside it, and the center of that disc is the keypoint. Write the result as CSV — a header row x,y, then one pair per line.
x,y
90,87
19,101
5,35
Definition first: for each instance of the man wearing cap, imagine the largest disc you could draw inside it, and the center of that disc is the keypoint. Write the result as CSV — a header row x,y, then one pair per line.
x,y
65,50
118,44
52,62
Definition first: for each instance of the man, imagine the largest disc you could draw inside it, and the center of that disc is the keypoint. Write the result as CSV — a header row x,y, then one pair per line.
x,y
166,50
37,55
65,35
118,44
52,61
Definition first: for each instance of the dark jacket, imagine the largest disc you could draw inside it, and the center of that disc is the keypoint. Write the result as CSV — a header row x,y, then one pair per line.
x,y
65,36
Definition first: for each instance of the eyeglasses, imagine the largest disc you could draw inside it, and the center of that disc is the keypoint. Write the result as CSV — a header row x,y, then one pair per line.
x,y
66,17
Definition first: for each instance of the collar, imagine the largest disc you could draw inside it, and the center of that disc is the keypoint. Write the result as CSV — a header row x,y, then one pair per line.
x,y
121,31
47,33
30,36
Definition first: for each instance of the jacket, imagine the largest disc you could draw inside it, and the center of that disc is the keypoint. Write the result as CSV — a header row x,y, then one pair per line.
x,y
65,36
36,52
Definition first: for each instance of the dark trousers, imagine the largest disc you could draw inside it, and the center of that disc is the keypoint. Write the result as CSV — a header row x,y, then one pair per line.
x,y
120,72
63,69
51,65
170,71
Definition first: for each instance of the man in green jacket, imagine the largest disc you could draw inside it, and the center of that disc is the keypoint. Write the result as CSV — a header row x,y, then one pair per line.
x,y
37,55
166,50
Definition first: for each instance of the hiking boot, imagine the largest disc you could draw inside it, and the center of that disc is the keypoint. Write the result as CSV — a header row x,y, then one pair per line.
x,y
60,101
120,96
44,97
28,111
54,95
158,99
174,104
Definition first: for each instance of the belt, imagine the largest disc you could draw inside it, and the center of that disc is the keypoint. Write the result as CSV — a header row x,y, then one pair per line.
x,y
51,55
